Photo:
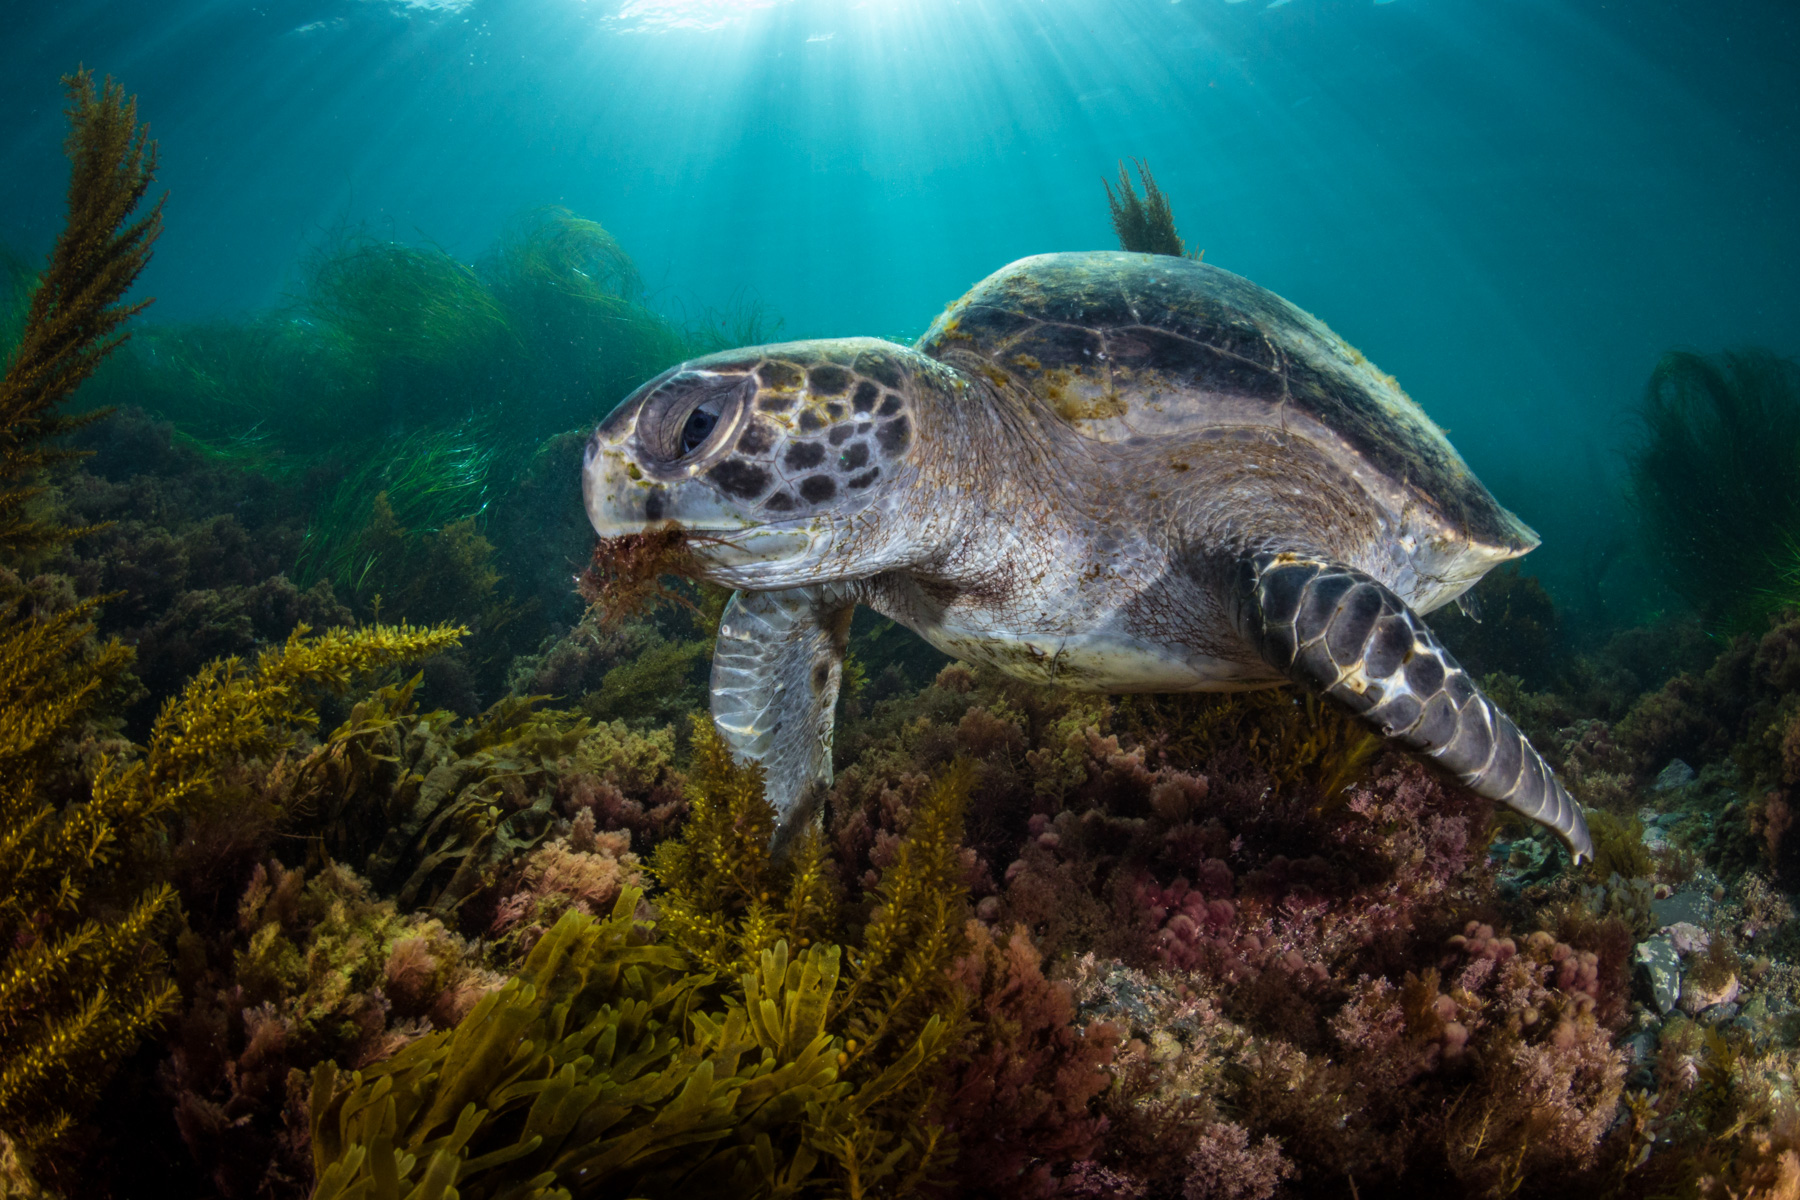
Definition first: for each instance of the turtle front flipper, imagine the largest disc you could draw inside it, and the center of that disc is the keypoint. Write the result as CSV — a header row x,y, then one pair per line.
x,y
1335,629
775,678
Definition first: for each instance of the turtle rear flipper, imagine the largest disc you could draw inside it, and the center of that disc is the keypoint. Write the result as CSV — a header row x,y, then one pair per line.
x,y
1335,629
775,677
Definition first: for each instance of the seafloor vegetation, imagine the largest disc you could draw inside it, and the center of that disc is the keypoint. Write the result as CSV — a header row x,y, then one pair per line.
x,y
461,897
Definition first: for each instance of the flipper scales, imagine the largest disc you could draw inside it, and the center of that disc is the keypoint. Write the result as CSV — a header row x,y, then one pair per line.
x,y
1344,633
775,677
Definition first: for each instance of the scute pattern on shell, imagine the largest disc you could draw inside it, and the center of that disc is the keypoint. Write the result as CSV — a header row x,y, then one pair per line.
x,y
1134,346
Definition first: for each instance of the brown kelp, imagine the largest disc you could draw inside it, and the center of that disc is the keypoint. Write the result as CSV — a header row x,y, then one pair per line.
x,y
1144,224
71,324
83,814
427,805
605,1065
75,991
593,1072
84,980
312,930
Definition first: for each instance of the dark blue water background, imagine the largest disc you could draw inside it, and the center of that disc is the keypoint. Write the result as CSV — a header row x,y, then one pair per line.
x,y
1513,205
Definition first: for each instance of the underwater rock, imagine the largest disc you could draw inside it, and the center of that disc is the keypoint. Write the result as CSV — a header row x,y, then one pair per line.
x,y
1688,906
16,1182
1676,775
1662,967
1523,863
1641,1046
15,1173
1697,998
1688,938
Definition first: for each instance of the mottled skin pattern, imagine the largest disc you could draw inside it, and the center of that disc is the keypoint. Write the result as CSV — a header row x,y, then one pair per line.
x,y
1074,477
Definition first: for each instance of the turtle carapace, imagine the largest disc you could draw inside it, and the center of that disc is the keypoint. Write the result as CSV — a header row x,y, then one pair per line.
x,y
1106,471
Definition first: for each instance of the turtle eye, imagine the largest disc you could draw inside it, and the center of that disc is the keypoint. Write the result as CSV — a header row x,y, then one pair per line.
x,y
699,427
686,415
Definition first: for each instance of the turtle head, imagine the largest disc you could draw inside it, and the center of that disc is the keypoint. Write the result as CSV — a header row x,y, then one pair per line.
x,y
784,457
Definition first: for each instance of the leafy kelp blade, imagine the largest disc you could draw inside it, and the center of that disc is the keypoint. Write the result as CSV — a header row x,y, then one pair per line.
x,y
607,1066
590,1073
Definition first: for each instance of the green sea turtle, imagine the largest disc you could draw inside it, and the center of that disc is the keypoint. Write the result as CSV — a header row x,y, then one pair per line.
x,y
1107,471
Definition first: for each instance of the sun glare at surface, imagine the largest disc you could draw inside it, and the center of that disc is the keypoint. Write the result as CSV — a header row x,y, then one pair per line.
x,y
662,16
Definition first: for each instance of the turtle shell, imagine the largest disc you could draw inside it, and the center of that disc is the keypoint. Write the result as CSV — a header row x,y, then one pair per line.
x,y
1125,347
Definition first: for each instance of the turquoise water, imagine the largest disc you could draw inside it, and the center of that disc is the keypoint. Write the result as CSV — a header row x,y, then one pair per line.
x,y
1513,207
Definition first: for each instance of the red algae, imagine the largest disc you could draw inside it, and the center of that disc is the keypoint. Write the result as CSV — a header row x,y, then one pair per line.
x,y
625,575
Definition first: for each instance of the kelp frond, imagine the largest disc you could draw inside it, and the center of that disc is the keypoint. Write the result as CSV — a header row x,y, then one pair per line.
x,y
361,795
75,313
898,984
76,991
726,902
1145,225
600,1070
726,897
716,1052
593,1072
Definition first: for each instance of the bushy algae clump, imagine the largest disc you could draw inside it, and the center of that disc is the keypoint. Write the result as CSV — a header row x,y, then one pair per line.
x,y
625,575
75,993
408,404
1144,224
731,1046
70,323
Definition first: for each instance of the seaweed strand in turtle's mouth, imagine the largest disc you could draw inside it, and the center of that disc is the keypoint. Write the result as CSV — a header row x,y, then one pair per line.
x,y
625,575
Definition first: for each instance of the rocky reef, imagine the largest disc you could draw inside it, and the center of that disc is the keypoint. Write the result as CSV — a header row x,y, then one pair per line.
x,y
347,853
